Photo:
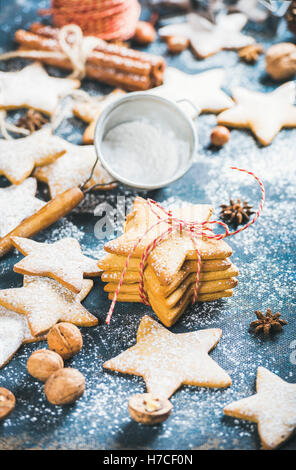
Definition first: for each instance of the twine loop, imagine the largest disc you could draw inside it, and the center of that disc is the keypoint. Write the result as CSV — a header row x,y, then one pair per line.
x,y
77,48
6,126
195,230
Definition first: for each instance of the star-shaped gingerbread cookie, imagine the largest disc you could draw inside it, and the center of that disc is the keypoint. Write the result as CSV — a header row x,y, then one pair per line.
x,y
32,87
166,360
17,203
207,38
264,113
46,302
73,169
203,90
62,261
273,407
14,331
19,157
89,110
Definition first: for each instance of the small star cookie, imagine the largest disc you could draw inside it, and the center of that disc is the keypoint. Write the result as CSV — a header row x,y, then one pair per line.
x,y
19,157
32,87
264,113
203,90
273,407
14,332
207,38
73,169
62,261
91,109
46,302
17,203
166,360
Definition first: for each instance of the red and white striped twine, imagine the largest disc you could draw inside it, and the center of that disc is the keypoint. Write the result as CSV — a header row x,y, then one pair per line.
x,y
193,229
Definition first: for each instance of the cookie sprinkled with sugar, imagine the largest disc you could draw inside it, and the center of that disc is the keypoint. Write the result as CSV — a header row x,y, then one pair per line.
x,y
73,169
45,302
207,38
32,87
62,261
264,113
14,331
273,408
17,203
166,360
201,89
19,157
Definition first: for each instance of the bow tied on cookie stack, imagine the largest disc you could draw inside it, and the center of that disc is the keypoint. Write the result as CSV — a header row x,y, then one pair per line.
x,y
139,266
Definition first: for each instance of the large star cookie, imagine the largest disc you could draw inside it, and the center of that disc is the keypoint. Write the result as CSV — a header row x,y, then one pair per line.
x,y
203,90
207,38
19,157
73,169
91,109
14,331
264,113
32,87
273,408
46,302
62,261
17,203
166,360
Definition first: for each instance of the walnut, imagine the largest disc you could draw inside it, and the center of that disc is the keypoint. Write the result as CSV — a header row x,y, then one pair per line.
x,y
220,136
42,363
147,409
177,44
64,386
145,33
65,339
281,61
7,402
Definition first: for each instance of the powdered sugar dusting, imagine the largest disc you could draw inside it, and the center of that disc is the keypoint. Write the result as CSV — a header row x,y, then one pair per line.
x,y
264,255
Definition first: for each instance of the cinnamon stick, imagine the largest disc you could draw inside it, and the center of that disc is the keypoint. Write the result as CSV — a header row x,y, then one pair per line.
x,y
46,216
109,48
97,58
112,64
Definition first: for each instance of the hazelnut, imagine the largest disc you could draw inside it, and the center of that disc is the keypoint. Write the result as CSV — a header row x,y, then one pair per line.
x,y
42,363
65,339
64,386
7,402
281,61
147,409
220,136
177,44
145,33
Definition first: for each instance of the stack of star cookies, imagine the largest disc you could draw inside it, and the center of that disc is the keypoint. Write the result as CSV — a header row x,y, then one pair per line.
x,y
170,271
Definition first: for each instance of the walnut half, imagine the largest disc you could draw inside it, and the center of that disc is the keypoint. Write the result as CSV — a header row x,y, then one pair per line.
x,y
281,61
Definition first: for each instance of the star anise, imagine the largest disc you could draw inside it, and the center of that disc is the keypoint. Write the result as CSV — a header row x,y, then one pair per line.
x,y
32,120
268,322
236,213
250,53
